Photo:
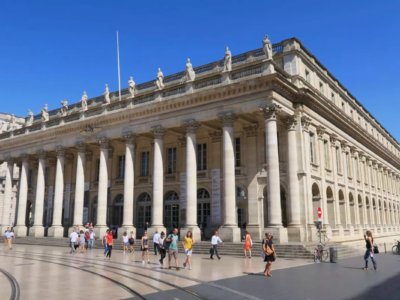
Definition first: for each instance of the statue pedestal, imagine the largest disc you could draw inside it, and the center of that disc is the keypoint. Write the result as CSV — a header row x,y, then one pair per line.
x,y
267,67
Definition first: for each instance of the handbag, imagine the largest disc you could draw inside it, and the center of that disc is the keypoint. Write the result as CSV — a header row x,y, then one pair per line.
x,y
268,251
212,251
376,250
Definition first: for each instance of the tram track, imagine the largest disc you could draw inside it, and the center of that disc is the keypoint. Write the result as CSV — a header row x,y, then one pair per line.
x,y
15,292
125,287
198,281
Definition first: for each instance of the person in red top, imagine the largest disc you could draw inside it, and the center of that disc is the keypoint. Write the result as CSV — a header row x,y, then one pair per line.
x,y
109,240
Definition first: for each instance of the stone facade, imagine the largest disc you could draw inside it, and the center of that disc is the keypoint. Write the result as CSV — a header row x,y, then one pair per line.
x,y
260,145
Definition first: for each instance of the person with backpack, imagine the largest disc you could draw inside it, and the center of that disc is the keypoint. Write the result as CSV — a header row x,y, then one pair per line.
x,y
370,250
163,250
247,245
131,241
172,239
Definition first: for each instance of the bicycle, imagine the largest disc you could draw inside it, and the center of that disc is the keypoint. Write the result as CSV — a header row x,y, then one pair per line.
x,y
396,248
320,253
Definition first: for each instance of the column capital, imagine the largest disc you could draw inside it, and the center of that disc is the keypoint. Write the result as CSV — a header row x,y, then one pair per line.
x,y
227,119
110,151
270,111
9,159
353,151
24,156
251,130
191,126
344,145
89,155
305,123
291,123
333,139
129,138
104,142
158,132
321,131
69,158
41,153
81,146
216,136
60,150
53,161
182,141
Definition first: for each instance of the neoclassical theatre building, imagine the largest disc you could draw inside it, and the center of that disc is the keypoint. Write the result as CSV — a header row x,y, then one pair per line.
x,y
256,141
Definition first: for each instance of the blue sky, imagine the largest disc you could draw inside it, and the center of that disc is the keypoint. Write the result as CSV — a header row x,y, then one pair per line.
x,y
51,50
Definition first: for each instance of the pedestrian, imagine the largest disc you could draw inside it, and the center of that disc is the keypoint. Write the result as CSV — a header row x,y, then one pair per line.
x,y
92,238
370,250
188,246
173,248
73,239
155,242
248,244
125,242
131,241
270,254
77,229
7,240
145,247
82,241
12,236
214,245
109,240
163,251
104,241
87,238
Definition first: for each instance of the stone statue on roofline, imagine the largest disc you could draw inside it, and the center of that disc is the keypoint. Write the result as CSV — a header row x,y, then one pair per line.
x,y
106,94
160,79
29,120
12,121
131,88
45,114
84,101
64,108
227,60
190,74
267,47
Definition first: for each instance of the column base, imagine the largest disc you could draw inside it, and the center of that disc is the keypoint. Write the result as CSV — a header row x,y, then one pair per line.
x,y
296,234
279,234
195,232
255,232
151,231
230,234
100,231
128,230
36,231
56,231
20,230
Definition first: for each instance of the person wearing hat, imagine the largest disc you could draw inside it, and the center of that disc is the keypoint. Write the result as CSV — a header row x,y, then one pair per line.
x,y
270,254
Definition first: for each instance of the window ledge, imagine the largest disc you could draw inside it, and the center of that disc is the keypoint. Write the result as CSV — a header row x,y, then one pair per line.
x,y
314,165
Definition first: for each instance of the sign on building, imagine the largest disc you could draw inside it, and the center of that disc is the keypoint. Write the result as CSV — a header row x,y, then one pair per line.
x,y
216,195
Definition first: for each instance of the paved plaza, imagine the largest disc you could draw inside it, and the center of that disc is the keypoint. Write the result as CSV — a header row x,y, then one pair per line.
x,y
52,273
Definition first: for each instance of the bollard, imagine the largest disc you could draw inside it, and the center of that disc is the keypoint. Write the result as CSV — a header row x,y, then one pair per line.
x,y
385,247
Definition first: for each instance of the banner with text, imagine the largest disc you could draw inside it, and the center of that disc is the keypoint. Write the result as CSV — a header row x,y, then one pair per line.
x,y
67,195
50,205
183,190
216,195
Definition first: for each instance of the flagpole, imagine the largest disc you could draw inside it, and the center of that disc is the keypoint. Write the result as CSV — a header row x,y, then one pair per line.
x,y
119,72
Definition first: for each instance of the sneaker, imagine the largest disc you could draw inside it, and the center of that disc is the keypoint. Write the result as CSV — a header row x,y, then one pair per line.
x,y
148,261
142,261
219,258
177,268
211,257
190,268
160,261
169,267
184,265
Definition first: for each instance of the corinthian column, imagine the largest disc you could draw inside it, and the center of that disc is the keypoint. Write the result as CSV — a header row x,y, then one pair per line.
x,y
273,178
101,225
20,229
158,181
79,185
129,183
37,229
191,180
7,195
56,230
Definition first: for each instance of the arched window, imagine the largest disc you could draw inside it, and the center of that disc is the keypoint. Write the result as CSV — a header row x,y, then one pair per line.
x,y
118,210
204,210
171,210
145,197
203,194
171,196
119,200
144,211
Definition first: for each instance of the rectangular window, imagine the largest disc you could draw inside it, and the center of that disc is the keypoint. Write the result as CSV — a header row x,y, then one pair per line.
x,y
145,170
321,87
312,149
326,154
338,160
171,160
237,152
356,168
343,106
97,169
308,79
30,179
333,97
121,166
348,165
201,157
351,114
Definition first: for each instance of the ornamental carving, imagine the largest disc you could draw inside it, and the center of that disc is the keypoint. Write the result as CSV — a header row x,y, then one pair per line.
x,y
158,132
129,137
191,126
53,161
291,123
182,141
344,145
24,156
251,130
216,136
353,151
69,158
9,159
271,111
305,123
104,142
110,151
227,119
41,153
81,147
333,139
90,133
321,131
60,150
88,155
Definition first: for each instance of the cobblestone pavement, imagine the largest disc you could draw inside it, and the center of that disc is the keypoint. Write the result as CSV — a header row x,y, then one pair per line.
x,y
52,273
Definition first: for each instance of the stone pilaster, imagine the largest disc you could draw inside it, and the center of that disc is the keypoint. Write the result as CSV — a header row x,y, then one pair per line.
x,y
21,229
6,220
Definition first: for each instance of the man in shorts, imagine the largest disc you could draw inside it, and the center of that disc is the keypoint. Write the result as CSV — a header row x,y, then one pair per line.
x,y
173,248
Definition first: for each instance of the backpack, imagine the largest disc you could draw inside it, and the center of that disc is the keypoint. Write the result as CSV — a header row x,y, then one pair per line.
x,y
166,244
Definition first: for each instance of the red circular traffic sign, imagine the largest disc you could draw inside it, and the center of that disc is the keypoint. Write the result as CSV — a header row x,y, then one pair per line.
x,y
319,211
